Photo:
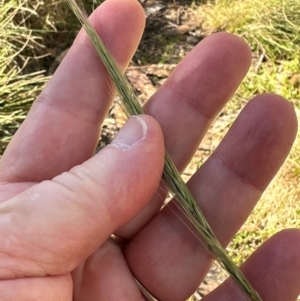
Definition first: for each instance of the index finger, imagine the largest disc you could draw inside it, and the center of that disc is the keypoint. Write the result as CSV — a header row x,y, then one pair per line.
x,y
63,126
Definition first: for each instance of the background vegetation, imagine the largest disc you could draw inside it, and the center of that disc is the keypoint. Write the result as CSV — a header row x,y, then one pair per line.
x,y
33,33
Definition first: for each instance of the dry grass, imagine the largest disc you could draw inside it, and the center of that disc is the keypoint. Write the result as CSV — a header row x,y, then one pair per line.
x,y
28,31
271,27
17,90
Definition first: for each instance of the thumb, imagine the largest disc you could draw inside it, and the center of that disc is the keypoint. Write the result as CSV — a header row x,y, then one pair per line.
x,y
53,226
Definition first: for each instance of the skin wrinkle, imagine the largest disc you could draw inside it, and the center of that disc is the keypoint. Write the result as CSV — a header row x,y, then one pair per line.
x,y
189,100
75,172
8,173
108,254
264,128
5,209
6,192
39,247
193,103
212,207
35,268
85,181
269,133
233,170
92,116
92,267
59,294
100,22
87,193
55,146
227,72
77,276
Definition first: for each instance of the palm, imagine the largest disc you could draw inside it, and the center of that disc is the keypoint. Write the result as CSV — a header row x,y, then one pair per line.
x,y
60,204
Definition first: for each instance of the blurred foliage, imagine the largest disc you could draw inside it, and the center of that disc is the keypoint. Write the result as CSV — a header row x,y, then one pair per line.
x,y
272,29
32,34
18,45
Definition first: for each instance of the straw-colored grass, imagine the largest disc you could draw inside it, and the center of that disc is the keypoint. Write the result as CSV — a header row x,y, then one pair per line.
x,y
17,90
271,27
27,29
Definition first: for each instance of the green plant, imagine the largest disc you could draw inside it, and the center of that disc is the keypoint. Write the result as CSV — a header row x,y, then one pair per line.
x,y
28,32
17,90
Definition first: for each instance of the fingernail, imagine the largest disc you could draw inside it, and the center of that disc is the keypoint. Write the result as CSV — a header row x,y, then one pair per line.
x,y
131,133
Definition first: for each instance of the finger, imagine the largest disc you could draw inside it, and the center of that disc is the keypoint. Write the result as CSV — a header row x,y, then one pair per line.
x,y
226,188
42,288
63,126
273,270
188,102
105,276
53,226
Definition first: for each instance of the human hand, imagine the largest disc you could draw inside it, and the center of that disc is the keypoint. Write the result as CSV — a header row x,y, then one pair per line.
x,y
60,204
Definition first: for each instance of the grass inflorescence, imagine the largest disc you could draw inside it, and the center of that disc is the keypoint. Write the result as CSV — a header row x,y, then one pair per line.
x,y
171,176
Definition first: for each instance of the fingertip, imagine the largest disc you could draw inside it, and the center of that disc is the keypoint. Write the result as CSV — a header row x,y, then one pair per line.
x,y
280,112
139,160
274,267
117,16
122,10
136,130
280,107
272,270
236,47
156,131
260,139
